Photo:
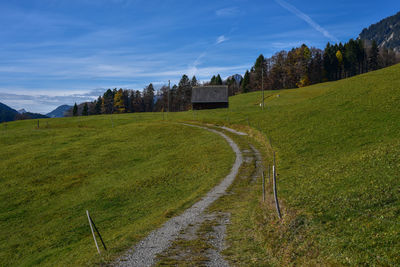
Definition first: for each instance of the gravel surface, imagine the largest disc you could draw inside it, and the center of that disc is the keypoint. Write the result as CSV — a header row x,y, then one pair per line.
x,y
218,241
144,253
232,130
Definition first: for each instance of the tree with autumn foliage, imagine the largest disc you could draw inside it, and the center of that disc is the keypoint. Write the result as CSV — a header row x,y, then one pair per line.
x,y
119,103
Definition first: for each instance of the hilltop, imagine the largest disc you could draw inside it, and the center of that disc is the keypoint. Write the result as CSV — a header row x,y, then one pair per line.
x,y
7,113
59,112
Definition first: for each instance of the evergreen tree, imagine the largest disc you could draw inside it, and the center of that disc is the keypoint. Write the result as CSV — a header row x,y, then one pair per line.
x,y
125,100
259,65
131,106
108,102
213,80
184,93
373,56
361,57
85,110
246,82
97,106
75,110
194,82
218,80
137,102
148,98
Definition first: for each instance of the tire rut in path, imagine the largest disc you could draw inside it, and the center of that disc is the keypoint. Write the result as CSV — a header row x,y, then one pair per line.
x,y
145,252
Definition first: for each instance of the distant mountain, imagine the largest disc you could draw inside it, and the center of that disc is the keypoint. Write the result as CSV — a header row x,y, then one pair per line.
x,y
59,112
386,33
29,116
7,113
22,111
237,77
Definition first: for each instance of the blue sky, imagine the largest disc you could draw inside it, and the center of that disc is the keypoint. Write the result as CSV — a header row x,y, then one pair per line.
x,y
55,52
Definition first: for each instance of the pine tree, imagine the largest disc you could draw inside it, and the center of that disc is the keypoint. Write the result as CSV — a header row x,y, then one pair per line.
x,y
373,56
75,110
97,106
85,110
184,92
148,98
213,80
218,80
107,102
194,81
246,82
258,65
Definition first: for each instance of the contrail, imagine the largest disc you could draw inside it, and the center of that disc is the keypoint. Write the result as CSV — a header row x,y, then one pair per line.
x,y
307,19
193,68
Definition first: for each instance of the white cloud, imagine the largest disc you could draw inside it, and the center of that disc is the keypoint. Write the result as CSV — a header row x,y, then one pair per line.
x,y
307,19
221,39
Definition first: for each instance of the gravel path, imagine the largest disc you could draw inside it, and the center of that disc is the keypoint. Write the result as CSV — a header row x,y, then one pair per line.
x,y
144,253
232,130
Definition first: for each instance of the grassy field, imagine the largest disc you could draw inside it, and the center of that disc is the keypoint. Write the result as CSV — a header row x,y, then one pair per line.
x,y
131,177
338,154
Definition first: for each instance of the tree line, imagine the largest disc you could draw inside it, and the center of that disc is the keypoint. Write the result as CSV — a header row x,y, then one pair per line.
x,y
299,67
117,101
303,66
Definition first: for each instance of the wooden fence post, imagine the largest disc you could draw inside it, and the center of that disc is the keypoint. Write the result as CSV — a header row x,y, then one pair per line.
x,y
278,210
98,232
91,228
269,174
263,186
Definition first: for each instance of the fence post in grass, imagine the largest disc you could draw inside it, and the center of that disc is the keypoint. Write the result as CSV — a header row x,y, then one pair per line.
x,y
263,185
112,122
269,174
91,228
98,232
278,210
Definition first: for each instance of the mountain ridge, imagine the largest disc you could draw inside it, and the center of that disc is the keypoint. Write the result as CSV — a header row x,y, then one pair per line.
x,y
7,113
386,33
59,112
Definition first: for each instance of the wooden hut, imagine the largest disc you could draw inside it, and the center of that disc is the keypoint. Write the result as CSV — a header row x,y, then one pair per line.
x,y
210,97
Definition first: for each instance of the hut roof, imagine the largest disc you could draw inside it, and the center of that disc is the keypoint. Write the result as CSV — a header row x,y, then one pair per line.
x,y
210,94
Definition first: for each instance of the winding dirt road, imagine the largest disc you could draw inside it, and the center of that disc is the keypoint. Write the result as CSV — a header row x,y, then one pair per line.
x,y
145,252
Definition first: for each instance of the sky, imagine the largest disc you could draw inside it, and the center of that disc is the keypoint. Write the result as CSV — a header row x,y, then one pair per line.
x,y
55,52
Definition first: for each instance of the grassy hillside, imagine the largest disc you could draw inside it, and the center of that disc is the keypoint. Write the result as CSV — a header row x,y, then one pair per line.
x,y
338,154
132,178
338,158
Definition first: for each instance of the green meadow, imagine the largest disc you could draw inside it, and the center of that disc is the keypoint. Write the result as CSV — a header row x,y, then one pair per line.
x,y
338,157
131,177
